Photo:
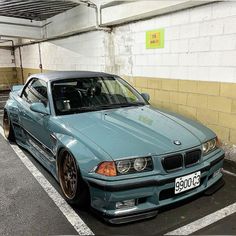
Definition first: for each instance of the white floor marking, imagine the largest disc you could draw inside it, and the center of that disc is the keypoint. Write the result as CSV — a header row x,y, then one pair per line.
x,y
205,221
65,208
229,173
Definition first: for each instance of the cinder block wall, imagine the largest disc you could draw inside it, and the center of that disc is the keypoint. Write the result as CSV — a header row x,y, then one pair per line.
x,y
194,74
7,69
211,103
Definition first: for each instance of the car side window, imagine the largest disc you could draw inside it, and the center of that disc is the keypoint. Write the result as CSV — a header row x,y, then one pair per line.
x,y
36,91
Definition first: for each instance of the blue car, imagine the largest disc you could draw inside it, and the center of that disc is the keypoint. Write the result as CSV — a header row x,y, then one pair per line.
x,y
108,147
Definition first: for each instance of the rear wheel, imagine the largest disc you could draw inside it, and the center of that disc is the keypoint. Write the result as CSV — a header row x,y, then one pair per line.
x,y
73,187
7,127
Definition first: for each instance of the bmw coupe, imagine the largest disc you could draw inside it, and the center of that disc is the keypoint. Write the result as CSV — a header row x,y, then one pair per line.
x,y
108,147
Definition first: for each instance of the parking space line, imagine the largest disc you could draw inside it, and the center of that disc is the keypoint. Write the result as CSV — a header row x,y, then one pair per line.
x,y
205,221
64,207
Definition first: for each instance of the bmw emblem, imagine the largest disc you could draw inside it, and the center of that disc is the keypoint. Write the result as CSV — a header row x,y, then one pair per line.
x,y
177,142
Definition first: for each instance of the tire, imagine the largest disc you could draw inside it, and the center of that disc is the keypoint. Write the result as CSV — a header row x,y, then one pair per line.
x,y
74,189
7,127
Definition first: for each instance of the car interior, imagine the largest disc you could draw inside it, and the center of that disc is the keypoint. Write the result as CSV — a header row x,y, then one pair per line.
x,y
83,93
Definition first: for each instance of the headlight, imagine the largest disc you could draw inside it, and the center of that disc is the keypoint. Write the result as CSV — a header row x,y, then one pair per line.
x,y
140,164
209,146
123,166
212,144
205,147
134,165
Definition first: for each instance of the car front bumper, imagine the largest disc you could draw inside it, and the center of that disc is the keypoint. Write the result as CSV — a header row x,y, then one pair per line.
x,y
150,193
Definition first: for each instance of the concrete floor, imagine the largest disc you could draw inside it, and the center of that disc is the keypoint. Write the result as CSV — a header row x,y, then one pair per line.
x,y
26,209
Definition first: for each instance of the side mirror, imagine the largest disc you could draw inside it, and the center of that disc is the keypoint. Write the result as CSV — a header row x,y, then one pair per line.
x,y
39,108
146,96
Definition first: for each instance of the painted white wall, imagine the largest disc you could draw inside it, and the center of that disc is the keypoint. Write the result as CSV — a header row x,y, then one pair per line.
x,y
82,52
200,44
30,56
6,58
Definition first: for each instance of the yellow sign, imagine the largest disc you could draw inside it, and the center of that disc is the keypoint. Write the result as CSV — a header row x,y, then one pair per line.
x,y
155,39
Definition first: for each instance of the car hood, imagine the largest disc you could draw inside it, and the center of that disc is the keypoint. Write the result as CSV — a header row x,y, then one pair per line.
x,y
136,131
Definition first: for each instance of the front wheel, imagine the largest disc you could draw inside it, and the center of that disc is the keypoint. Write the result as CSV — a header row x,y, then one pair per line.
x,y
7,127
74,189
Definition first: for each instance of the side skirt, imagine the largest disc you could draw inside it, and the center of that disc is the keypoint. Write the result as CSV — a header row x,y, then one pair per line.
x,y
38,152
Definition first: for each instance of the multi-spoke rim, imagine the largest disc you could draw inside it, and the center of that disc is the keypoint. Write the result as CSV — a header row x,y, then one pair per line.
x,y
6,125
68,176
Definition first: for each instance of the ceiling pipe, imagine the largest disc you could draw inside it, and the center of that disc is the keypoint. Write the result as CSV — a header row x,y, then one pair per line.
x,y
56,38
40,59
21,67
6,41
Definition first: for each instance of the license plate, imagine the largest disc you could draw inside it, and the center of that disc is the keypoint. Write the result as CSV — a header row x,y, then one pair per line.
x,y
187,182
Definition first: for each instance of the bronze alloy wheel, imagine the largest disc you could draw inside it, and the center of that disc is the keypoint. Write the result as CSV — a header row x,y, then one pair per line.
x,y
68,175
6,125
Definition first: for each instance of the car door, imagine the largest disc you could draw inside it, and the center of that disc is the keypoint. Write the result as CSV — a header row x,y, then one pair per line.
x,y
36,124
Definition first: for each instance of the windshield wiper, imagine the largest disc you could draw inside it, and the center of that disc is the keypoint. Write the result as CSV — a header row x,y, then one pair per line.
x,y
127,104
83,109
107,106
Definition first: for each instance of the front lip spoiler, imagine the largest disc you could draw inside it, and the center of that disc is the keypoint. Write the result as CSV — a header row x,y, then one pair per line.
x,y
153,213
128,218
215,187
147,183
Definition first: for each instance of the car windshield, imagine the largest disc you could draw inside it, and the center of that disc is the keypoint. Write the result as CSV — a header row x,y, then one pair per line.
x,y
90,94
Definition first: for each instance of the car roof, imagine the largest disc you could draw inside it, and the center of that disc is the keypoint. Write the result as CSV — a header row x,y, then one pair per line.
x,y
58,75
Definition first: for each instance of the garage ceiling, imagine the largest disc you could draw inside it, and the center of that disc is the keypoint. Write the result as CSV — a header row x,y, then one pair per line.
x,y
34,9
83,15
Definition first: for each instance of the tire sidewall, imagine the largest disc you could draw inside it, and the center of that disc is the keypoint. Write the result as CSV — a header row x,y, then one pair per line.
x,y
82,196
11,135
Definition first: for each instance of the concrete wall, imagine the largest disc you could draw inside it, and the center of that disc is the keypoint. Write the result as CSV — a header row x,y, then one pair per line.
x,y
7,69
194,74
77,19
